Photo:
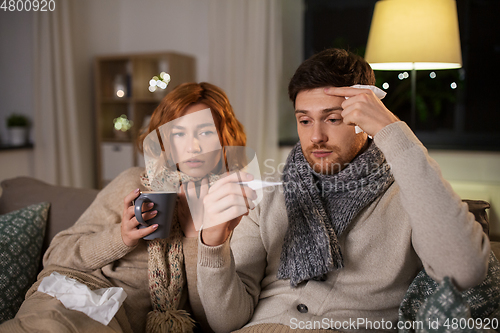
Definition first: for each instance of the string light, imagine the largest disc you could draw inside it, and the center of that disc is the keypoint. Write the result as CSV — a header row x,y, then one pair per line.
x,y
159,82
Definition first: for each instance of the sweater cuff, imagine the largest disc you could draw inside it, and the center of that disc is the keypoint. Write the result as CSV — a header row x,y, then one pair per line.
x,y
117,248
214,256
395,138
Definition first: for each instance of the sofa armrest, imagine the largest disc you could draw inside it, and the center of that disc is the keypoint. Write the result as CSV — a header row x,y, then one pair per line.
x,y
66,203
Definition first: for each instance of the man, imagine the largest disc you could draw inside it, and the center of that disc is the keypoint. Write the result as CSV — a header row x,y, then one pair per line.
x,y
354,222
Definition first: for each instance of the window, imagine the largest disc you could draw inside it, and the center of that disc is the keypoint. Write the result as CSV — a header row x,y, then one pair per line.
x,y
456,109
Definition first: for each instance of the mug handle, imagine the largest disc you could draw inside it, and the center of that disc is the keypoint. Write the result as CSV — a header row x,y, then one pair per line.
x,y
138,210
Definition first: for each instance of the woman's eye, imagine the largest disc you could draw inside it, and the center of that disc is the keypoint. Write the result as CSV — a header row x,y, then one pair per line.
x,y
178,135
207,133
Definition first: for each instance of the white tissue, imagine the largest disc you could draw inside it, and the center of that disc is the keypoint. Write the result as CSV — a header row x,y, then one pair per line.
x,y
100,304
377,91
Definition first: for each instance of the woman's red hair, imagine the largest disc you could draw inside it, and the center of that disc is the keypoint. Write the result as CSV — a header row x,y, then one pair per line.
x,y
173,106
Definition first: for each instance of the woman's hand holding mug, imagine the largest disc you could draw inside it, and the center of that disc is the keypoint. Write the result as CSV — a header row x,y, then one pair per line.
x,y
130,233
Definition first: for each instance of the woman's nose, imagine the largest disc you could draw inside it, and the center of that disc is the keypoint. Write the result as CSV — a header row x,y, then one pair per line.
x,y
194,146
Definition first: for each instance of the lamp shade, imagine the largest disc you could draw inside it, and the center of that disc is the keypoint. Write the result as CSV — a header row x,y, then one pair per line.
x,y
414,34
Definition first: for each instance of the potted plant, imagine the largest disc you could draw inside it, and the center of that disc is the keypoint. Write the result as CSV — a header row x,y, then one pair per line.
x,y
17,125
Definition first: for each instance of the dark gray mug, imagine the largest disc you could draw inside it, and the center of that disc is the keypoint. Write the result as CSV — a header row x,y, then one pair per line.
x,y
164,203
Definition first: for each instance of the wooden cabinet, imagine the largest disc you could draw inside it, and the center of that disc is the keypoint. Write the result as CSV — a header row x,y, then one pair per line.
x,y
122,88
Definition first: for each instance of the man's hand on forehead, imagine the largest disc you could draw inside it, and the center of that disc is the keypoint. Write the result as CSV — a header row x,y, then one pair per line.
x,y
363,108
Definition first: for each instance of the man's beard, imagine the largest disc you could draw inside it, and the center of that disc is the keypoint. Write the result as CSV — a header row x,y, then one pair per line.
x,y
335,162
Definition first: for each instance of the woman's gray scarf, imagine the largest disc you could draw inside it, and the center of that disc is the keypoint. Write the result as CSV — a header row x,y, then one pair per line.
x,y
320,207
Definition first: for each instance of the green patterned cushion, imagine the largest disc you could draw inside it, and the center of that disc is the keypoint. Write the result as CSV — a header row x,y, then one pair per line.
x,y
21,237
442,308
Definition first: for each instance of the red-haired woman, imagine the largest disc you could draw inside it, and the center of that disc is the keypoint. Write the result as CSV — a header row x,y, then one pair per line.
x,y
105,247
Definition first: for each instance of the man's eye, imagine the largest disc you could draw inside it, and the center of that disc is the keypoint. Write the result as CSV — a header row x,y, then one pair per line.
x,y
304,122
333,120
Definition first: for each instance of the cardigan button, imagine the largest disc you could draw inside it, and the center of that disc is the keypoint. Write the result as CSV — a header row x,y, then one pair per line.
x,y
302,308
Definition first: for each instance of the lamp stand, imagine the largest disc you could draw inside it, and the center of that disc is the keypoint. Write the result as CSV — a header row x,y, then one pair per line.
x,y
413,114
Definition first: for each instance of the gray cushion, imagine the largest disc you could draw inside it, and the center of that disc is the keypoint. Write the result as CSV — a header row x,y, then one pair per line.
x,y
426,300
21,236
66,203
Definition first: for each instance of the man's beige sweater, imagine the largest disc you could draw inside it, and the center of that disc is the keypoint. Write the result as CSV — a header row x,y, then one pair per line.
x,y
418,222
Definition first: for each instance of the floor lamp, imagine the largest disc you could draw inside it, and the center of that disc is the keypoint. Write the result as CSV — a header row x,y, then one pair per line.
x,y
414,35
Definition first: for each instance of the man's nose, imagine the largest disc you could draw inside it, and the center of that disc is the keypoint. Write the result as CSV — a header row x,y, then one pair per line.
x,y
194,145
318,134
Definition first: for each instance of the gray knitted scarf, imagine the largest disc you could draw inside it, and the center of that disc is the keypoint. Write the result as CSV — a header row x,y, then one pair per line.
x,y
320,208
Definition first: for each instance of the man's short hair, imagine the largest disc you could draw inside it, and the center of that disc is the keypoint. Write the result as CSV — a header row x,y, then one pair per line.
x,y
330,68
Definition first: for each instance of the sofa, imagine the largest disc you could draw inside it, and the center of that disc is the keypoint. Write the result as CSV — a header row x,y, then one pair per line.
x,y
61,208
32,212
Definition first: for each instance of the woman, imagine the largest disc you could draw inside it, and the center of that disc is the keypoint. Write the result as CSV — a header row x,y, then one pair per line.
x,y
105,248
185,107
